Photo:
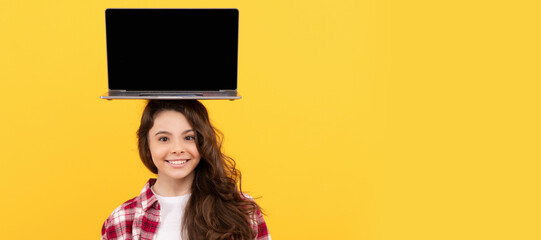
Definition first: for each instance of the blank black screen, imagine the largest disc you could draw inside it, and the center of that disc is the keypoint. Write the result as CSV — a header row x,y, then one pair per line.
x,y
172,49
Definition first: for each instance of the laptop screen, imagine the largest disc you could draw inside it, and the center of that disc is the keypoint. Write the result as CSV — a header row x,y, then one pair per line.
x,y
172,49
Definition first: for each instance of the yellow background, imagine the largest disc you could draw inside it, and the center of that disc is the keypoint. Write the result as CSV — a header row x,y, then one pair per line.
x,y
360,119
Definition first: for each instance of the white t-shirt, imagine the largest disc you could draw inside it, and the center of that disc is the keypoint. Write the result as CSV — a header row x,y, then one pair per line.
x,y
171,213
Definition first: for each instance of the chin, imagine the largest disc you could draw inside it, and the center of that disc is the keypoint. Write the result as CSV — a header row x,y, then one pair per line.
x,y
181,176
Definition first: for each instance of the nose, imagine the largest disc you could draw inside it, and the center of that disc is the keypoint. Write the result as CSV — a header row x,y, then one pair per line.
x,y
177,148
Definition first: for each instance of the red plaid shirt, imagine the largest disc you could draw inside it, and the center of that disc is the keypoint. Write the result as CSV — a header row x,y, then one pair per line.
x,y
139,218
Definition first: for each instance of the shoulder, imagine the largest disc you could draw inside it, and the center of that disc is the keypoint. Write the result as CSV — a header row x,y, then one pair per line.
x,y
260,226
127,209
246,196
257,222
119,223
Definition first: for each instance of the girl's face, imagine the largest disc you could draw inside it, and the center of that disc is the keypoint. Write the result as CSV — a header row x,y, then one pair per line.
x,y
172,146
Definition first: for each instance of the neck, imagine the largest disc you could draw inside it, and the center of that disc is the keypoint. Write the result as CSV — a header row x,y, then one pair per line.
x,y
168,187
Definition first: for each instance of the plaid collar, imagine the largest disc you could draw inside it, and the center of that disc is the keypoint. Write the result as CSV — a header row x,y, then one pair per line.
x,y
147,197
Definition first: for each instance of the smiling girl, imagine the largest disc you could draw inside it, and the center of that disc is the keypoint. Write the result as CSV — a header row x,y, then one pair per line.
x,y
197,193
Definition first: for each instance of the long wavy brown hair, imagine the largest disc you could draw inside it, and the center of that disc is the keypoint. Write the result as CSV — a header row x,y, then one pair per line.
x,y
216,209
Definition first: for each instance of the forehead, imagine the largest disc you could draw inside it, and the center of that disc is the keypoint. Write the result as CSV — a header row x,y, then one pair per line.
x,y
170,120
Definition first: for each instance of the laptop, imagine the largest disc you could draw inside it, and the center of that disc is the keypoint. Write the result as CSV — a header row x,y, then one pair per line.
x,y
172,53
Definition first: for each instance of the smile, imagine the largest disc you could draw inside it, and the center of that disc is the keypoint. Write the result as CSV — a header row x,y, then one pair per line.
x,y
177,163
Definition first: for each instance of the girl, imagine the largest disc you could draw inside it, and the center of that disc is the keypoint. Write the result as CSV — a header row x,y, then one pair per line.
x,y
195,195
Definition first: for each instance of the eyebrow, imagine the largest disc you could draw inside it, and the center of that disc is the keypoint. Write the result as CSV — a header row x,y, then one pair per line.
x,y
168,133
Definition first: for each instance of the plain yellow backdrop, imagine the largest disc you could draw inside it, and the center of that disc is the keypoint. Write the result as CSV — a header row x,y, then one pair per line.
x,y
360,119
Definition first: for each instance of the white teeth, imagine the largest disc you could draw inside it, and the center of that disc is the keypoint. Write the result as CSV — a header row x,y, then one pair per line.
x,y
178,162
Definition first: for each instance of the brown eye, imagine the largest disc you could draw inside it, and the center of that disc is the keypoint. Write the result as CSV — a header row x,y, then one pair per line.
x,y
189,138
163,139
